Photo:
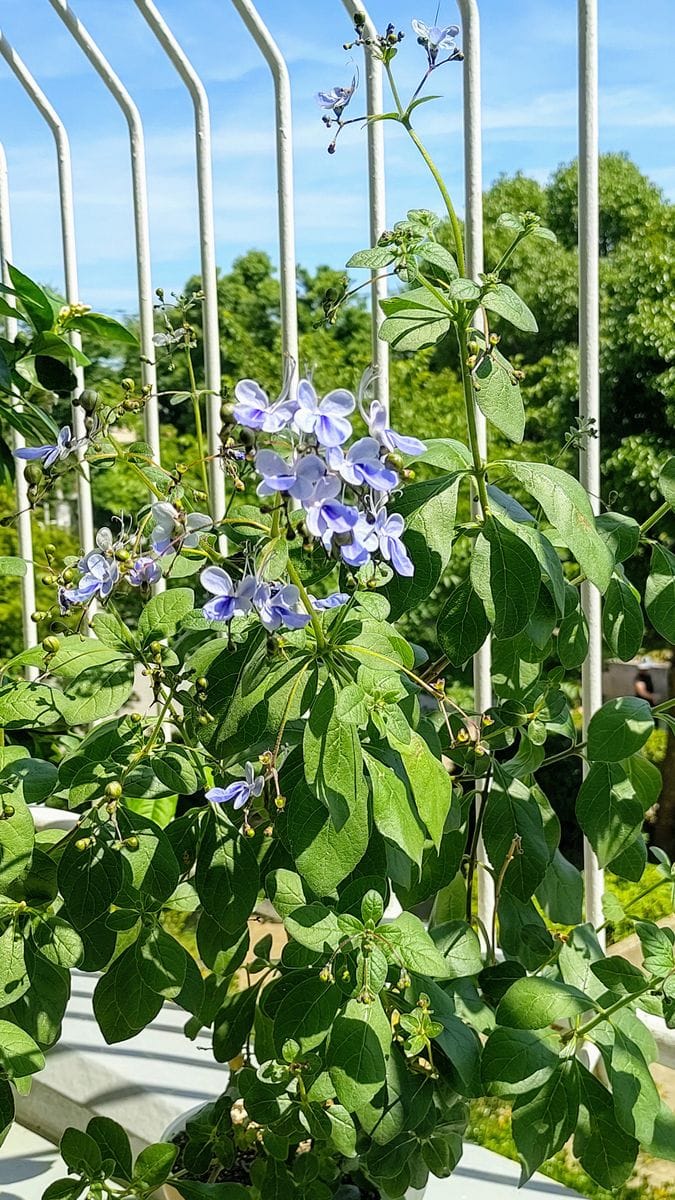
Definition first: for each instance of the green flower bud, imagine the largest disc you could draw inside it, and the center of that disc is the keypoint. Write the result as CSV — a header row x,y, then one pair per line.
x,y
131,843
33,472
88,399
51,645
113,790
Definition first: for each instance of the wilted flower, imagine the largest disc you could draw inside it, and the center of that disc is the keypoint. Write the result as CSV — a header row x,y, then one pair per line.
x,y
144,572
254,410
279,605
229,600
435,38
299,478
337,98
174,529
327,418
64,446
362,465
239,793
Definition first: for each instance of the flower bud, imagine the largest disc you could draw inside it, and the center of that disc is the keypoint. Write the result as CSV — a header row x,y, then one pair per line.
x,y
202,683
136,718
113,790
88,399
51,645
33,472
128,385
8,811
131,843
83,844
280,802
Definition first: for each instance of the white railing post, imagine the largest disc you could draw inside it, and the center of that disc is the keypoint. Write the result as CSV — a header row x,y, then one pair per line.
x,y
207,245
285,185
589,379
24,527
65,177
376,197
473,232
140,203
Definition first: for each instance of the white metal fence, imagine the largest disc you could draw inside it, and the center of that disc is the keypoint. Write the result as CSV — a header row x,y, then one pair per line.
x,y
282,117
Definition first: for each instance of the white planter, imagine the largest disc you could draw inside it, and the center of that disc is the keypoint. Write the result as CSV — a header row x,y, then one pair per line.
x,y
169,1193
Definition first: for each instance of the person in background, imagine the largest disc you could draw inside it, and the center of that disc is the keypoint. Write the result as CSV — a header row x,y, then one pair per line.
x,y
643,685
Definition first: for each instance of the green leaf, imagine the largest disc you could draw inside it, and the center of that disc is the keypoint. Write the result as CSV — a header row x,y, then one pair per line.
x,y
123,1003
460,947
657,948
618,729
306,1014
608,810
620,533
660,592
667,481
374,259
498,398
324,854
233,1024
6,1109
603,1148
89,880
113,1143
569,511
435,253
462,624
163,613
413,947
97,679
26,705
512,812
80,1152
393,811
516,1061
445,453
314,926
622,624
51,345
413,320
174,767
161,962
19,1054
354,1058
343,1130
110,631
561,891
332,757
572,631
619,975
210,1191
153,1165
506,576
36,303
428,537
534,1003
502,299
430,783
14,981
17,835
543,1122
103,328
285,890
227,876
10,566
57,941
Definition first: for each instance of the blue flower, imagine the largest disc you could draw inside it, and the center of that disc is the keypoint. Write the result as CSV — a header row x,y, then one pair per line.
x,y
229,600
253,408
325,603
435,38
327,418
362,465
384,435
144,571
174,529
363,542
389,530
65,445
238,794
299,478
337,98
328,516
278,605
99,578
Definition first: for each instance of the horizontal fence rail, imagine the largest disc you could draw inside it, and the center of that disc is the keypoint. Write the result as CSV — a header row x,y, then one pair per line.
x,y
587,13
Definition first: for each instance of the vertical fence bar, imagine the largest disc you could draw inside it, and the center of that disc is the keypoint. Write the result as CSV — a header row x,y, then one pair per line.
x,y
589,378
140,203
207,243
376,198
285,185
65,177
24,527
473,226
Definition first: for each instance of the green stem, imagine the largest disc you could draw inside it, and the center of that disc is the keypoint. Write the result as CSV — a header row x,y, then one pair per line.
x,y
470,408
196,408
664,705
316,623
133,467
573,750
656,516
605,1013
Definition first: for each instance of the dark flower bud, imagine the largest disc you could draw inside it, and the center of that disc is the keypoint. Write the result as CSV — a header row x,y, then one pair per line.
x,y
88,399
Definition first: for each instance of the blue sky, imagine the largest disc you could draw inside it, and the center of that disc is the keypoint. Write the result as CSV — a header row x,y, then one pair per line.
x,y
529,93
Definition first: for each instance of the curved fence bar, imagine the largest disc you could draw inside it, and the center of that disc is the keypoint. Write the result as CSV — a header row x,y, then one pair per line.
x,y
207,242
473,232
140,202
589,377
285,186
65,176
376,198
24,528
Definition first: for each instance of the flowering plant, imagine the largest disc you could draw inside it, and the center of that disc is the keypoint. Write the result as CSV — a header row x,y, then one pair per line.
x,y
327,768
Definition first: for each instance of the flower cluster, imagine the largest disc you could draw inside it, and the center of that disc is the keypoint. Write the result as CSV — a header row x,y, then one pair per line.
x,y
277,604
344,492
